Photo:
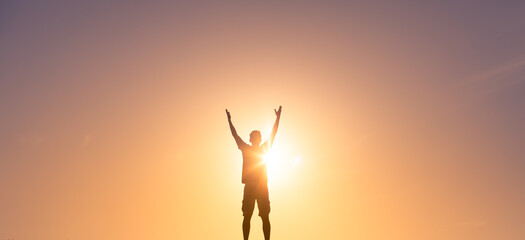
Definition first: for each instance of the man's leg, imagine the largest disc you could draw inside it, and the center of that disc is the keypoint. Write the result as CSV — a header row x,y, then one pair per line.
x,y
246,227
248,204
266,226
263,202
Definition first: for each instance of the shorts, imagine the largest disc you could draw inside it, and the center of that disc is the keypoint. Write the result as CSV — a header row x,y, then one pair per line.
x,y
257,192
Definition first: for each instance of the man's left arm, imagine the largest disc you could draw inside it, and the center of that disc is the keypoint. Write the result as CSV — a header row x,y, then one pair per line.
x,y
275,126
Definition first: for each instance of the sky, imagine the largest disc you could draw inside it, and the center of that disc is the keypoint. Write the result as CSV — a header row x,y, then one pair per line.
x,y
400,121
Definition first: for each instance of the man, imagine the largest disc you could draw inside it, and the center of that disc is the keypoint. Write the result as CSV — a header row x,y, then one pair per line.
x,y
254,176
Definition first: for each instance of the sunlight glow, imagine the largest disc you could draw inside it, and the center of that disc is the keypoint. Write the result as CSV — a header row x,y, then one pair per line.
x,y
280,165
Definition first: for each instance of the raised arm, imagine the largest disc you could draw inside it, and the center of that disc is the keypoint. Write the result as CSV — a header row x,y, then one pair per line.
x,y
275,126
238,139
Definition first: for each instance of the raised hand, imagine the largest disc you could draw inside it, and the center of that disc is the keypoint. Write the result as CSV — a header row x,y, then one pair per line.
x,y
228,114
275,125
278,112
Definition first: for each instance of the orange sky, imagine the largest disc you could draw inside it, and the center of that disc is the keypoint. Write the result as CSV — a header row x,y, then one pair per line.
x,y
400,122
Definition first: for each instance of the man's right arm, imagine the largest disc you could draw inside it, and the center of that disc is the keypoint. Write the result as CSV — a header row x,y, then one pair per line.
x,y
238,140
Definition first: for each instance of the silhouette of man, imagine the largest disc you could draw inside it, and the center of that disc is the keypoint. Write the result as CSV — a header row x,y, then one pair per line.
x,y
254,176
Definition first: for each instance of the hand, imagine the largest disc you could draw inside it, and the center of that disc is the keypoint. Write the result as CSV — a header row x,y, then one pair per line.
x,y
228,114
278,112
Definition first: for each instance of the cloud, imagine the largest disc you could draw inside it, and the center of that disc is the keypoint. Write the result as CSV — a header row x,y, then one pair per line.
x,y
487,83
499,77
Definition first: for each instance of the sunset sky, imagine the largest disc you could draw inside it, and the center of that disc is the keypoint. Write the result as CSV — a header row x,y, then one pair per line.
x,y
400,121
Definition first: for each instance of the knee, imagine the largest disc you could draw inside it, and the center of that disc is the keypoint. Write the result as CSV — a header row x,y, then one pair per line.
x,y
265,218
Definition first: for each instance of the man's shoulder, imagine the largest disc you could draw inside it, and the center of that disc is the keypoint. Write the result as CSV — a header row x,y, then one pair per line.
x,y
242,145
265,146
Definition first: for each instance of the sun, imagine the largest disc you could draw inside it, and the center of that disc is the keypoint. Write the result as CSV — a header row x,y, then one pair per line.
x,y
273,163
280,164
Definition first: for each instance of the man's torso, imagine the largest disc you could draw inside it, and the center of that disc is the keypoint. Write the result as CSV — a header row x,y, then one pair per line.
x,y
253,166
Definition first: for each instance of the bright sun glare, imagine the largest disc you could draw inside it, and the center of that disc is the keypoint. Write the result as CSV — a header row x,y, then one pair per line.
x,y
280,165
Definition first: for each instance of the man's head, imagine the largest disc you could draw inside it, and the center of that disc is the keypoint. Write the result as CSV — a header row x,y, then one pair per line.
x,y
255,138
